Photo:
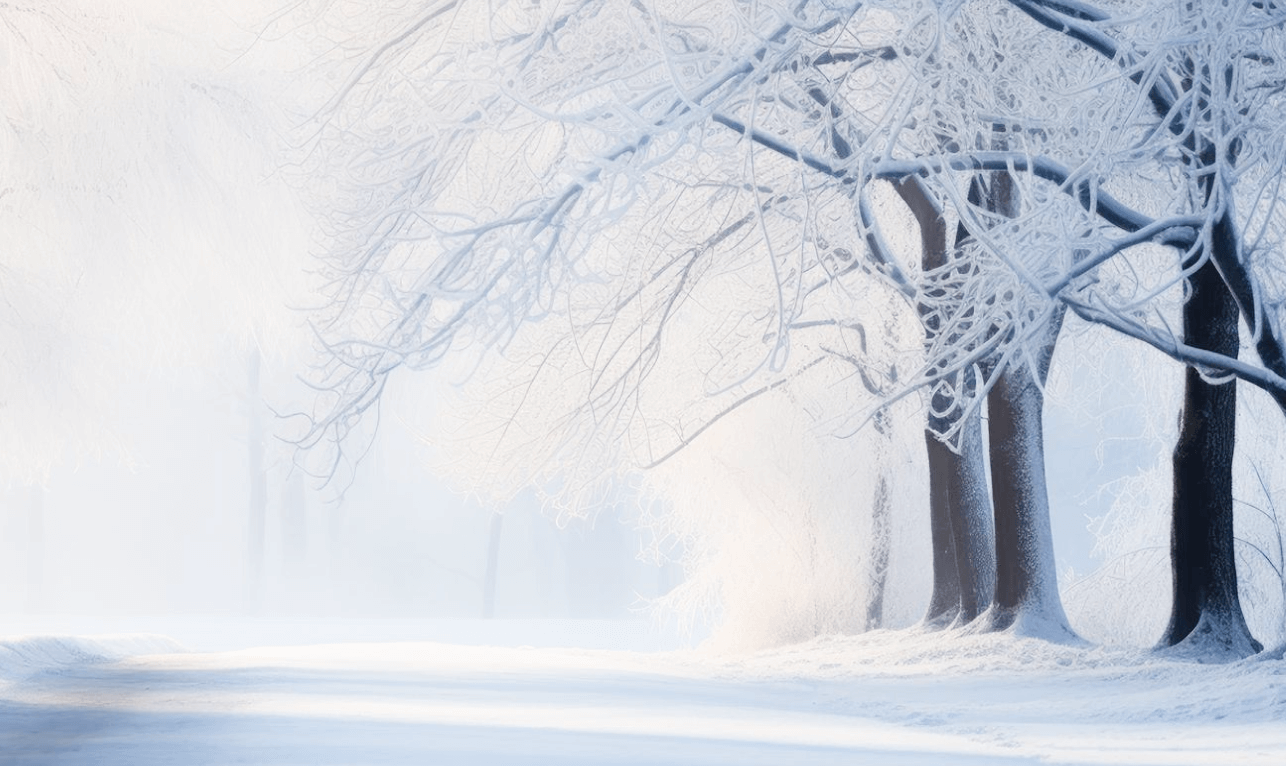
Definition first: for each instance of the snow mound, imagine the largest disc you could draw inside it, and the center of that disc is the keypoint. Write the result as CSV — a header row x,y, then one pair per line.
x,y
917,651
22,656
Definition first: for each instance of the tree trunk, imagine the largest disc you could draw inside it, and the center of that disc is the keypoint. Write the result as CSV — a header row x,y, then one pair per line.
x,y
337,554
881,534
959,509
294,525
960,529
944,602
258,499
493,565
1026,585
1206,612
1026,595
971,518
35,549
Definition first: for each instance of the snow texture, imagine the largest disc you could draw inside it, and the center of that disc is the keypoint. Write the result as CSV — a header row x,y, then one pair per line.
x,y
884,697
25,656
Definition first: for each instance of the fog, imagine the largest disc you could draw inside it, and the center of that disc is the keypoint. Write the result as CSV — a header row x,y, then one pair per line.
x,y
160,245
156,251
603,509
164,529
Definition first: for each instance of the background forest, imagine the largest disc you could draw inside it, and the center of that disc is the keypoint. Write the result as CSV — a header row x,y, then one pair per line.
x,y
590,309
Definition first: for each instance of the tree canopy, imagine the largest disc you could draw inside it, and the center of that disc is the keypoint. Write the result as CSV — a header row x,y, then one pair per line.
x,y
618,169
646,214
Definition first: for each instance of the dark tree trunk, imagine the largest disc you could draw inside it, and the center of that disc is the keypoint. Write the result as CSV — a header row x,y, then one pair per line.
x,y
1026,584
959,508
1206,611
960,527
971,517
944,602
1026,588
493,565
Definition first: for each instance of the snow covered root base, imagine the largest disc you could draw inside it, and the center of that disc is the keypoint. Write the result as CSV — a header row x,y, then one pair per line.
x,y
1216,638
883,697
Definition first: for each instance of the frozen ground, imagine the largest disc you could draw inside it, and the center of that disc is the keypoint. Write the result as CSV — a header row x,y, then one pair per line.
x,y
883,698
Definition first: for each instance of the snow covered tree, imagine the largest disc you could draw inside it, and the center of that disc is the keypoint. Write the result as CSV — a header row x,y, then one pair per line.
x,y
1192,115
583,189
960,513
1208,74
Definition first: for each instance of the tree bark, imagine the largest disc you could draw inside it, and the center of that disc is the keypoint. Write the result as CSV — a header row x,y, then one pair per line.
x,y
944,602
1206,610
881,534
1026,593
972,525
959,508
960,526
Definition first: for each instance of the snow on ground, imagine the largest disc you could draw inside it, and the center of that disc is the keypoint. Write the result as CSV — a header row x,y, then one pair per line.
x,y
886,697
27,655
221,632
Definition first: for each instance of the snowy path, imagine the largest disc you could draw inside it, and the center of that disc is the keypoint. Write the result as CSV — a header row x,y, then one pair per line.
x,y
891,699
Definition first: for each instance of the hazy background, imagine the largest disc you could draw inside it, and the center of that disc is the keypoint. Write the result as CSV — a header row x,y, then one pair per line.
x,y
157,250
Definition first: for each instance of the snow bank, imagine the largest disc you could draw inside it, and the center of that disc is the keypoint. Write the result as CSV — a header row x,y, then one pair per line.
x,y
886,697
21,656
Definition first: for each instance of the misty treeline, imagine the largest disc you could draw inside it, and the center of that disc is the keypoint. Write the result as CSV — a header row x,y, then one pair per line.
x,y
622,227
154,286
